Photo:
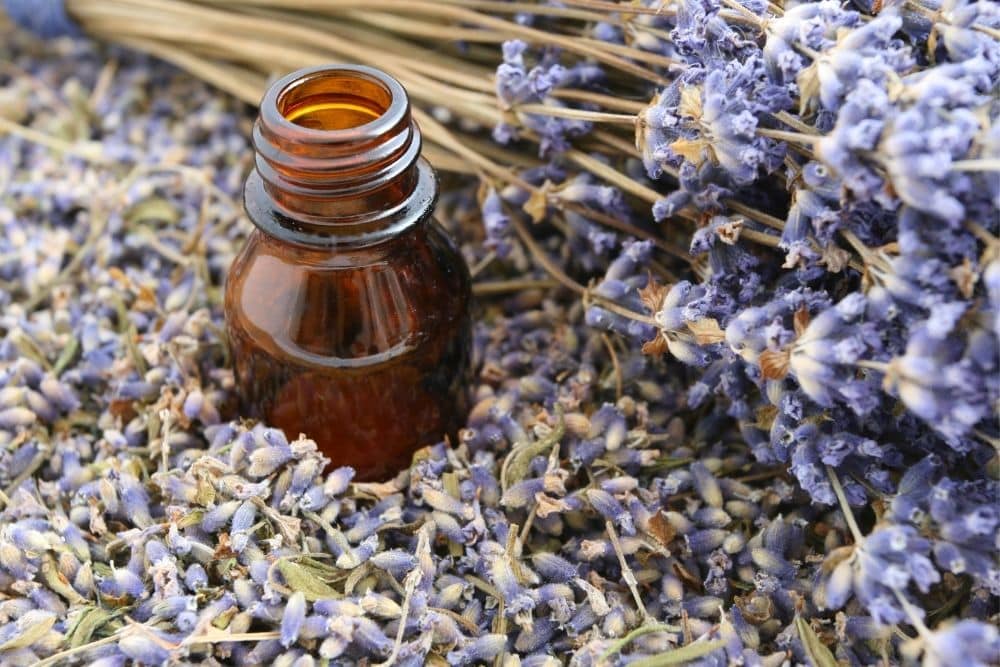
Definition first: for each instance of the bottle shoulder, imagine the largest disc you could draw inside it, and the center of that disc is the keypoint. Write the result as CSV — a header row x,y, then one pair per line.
x,y
356,308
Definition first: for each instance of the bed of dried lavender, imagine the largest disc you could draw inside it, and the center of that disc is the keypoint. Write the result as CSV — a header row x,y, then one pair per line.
x,y
594,510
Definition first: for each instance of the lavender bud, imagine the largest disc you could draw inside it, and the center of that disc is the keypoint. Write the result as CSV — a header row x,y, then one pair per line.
x,y
13,418
481,649
142,650
772,563
706,484
266,460
291,621
540,633
611,509
704,541
445,503
395,561
554,568
712,517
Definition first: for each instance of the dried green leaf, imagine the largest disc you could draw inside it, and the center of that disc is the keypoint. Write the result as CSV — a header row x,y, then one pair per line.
x,y
669,462
324,571
819,654
86,624
681,655
154,209
57,582
27,347
66,356
32,632
222,620
152,426
192,518
515,466
638,632
102,570
132,345
303,579
222,566
204,492
356,576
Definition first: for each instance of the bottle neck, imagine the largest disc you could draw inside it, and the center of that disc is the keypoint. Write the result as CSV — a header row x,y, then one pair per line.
x,y
337,159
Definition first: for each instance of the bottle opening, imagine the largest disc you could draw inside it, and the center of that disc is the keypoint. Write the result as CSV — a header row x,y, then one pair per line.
x,y
337,152
334,100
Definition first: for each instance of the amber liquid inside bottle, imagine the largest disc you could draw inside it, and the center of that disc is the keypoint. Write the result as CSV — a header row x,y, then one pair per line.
x,y
348,307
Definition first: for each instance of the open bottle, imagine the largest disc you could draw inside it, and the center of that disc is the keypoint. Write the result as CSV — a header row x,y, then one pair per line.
x,y
348,308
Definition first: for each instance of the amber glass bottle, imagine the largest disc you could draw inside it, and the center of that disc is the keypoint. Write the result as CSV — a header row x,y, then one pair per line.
x,y
348,307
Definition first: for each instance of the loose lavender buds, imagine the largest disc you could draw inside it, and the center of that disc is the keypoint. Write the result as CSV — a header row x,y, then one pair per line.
x,y
783,455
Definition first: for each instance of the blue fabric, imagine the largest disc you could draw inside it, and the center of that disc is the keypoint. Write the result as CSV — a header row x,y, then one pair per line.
x,y
45,18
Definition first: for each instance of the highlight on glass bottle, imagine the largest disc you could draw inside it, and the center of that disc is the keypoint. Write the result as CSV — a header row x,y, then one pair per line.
x,y
348,307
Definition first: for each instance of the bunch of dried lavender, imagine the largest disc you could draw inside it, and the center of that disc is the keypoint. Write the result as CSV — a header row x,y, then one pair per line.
x,y
602,505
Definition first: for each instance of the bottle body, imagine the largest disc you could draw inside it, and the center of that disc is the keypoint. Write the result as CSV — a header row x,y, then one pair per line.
x,y
365,351
347,309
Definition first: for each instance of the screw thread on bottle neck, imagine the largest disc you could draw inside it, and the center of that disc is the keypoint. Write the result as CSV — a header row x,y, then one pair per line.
x,y
338,153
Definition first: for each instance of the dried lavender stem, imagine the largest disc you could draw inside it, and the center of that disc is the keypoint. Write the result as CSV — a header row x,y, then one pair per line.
x,y
103,84
628,228
879,366
477,77
760,238
845,507
631,53
543,258
981,164
507,286
613,176
410,585
444,160
546,262
56,658
981,233
792,121
527,8
580,114
616,366
627,575
486,260
87,151
745,13
268,51
935,17
439,133
220,636
461,15
626,146
608,101
663,10
409,26
638,632
913,616
794,137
